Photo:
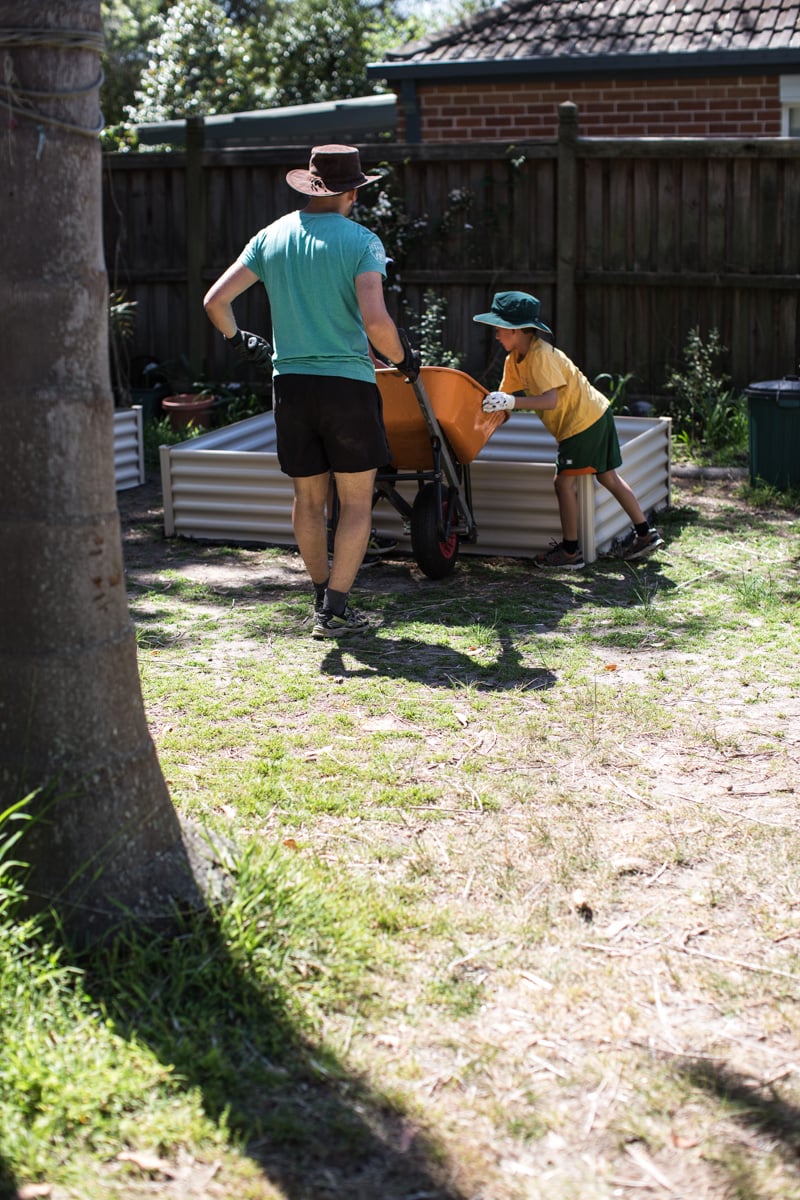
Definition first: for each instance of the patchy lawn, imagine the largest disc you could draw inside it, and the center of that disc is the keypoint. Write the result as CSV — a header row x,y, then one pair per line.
x,y
562,810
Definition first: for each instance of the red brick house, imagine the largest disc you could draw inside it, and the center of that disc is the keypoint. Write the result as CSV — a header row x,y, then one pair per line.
x,y
635,68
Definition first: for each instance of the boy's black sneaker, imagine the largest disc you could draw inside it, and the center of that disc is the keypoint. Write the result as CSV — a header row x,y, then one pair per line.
x,y
558,557
637,547
328,624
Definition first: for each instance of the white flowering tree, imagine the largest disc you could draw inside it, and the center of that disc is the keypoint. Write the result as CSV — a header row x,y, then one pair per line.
x,y
321,47
200,62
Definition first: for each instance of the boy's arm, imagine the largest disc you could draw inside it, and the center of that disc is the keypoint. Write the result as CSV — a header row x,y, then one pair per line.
x,y
547,400
504,401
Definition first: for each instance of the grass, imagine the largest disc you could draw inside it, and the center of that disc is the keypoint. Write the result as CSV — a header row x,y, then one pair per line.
x,y
514,914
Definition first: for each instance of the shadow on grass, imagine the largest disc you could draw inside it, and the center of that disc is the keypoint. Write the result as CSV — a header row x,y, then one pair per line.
x,y
313,1129
435,665
755,1106
752,1104
483,590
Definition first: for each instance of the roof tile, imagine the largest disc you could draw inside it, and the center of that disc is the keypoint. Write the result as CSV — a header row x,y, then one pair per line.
x,y
539,28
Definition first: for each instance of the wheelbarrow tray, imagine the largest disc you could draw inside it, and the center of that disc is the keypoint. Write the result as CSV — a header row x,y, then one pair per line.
x,y
455,399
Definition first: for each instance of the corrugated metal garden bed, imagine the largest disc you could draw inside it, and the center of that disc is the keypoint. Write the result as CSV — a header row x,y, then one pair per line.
x,y
226,486
128,447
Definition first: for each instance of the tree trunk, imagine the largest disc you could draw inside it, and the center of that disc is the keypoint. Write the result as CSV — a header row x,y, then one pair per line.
x,y
105,842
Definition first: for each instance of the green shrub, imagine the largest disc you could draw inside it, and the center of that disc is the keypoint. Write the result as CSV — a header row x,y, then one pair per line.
x,y
615,387
160,433
708,416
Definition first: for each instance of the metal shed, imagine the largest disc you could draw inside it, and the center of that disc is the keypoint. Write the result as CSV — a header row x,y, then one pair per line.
x,y
360,120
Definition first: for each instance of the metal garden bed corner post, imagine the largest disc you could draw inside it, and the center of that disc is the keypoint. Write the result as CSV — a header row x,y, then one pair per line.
x,y
166,488
586,521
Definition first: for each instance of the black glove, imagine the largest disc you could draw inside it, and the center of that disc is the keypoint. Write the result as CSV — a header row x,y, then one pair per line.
x,y
251,348
411,360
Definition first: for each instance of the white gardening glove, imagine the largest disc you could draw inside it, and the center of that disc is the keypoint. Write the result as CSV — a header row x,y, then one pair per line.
x,y
497,402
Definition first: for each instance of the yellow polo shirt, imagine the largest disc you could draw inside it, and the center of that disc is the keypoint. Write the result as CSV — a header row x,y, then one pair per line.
x,y
545,367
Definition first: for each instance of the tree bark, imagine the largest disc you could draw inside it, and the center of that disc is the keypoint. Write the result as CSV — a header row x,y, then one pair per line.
x,y
105,844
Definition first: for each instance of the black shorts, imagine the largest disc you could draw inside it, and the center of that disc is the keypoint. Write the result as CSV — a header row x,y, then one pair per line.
x,y
328,423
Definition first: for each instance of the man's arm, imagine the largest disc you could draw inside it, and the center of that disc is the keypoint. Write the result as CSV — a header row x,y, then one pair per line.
x,y
218,300
381,329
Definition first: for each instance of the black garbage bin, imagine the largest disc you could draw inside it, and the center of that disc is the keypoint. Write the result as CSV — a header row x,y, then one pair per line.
x,y
774,424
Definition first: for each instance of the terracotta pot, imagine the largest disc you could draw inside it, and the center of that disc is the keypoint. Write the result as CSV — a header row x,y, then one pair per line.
x,y
188,409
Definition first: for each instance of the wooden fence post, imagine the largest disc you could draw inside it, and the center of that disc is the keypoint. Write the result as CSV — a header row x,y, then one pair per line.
x,y
566,227
195,200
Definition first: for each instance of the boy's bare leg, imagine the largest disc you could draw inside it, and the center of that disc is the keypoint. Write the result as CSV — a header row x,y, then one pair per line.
x,y
567,497
623,494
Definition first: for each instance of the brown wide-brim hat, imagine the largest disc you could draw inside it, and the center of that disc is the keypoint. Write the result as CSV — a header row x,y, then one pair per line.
x,y
331,171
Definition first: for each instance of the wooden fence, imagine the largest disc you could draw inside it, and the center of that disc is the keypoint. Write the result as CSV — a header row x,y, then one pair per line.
x,y
628,243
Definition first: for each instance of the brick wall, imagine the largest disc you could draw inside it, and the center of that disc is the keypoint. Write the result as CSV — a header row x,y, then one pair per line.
x,y
746,106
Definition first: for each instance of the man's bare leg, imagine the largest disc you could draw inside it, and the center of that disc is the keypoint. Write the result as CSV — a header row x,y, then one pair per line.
x,y
308,522
355,491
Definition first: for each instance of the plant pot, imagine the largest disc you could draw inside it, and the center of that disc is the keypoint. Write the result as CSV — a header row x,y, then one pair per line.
x,y
188,409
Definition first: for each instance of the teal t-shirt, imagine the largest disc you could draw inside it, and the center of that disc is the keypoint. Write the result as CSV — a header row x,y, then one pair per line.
x,y
308,262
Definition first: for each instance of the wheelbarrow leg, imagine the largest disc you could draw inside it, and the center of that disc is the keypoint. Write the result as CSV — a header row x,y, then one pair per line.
x,y
448,464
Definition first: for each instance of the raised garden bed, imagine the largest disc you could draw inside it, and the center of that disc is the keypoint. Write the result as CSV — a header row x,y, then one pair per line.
x,y
226,486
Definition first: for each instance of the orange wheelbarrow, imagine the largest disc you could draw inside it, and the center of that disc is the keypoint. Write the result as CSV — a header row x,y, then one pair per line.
x,y
435,427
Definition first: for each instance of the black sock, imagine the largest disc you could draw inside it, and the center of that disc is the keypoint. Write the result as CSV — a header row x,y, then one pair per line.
x,y
319,592
335,602
570,547
643,529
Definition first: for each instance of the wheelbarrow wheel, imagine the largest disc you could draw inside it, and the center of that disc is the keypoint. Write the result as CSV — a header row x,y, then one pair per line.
x,y
435,557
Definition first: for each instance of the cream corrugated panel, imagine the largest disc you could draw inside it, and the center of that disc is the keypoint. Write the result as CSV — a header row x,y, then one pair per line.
x,y
128,448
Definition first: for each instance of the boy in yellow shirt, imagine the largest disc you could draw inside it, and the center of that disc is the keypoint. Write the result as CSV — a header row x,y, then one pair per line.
x,y
540,377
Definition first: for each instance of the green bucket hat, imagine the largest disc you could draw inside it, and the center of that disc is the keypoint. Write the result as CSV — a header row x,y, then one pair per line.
x,y
513,310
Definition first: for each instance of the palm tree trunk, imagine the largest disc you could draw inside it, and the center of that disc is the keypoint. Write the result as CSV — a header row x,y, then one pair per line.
x,y
73,734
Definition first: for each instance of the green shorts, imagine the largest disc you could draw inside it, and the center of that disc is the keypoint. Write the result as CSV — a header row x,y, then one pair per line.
x,y
593,451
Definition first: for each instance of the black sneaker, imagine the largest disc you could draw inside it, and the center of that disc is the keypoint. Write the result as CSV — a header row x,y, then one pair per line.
x,y
639,547
557,556
328,624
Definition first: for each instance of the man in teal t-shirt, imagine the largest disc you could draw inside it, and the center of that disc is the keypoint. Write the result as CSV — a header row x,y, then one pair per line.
x,y
324,277
301,243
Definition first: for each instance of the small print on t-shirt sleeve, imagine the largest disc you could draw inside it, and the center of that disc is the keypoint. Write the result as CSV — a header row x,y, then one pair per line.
x,y
374,257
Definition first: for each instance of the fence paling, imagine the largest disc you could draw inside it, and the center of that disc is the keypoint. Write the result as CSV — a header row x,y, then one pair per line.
x,y
629,243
